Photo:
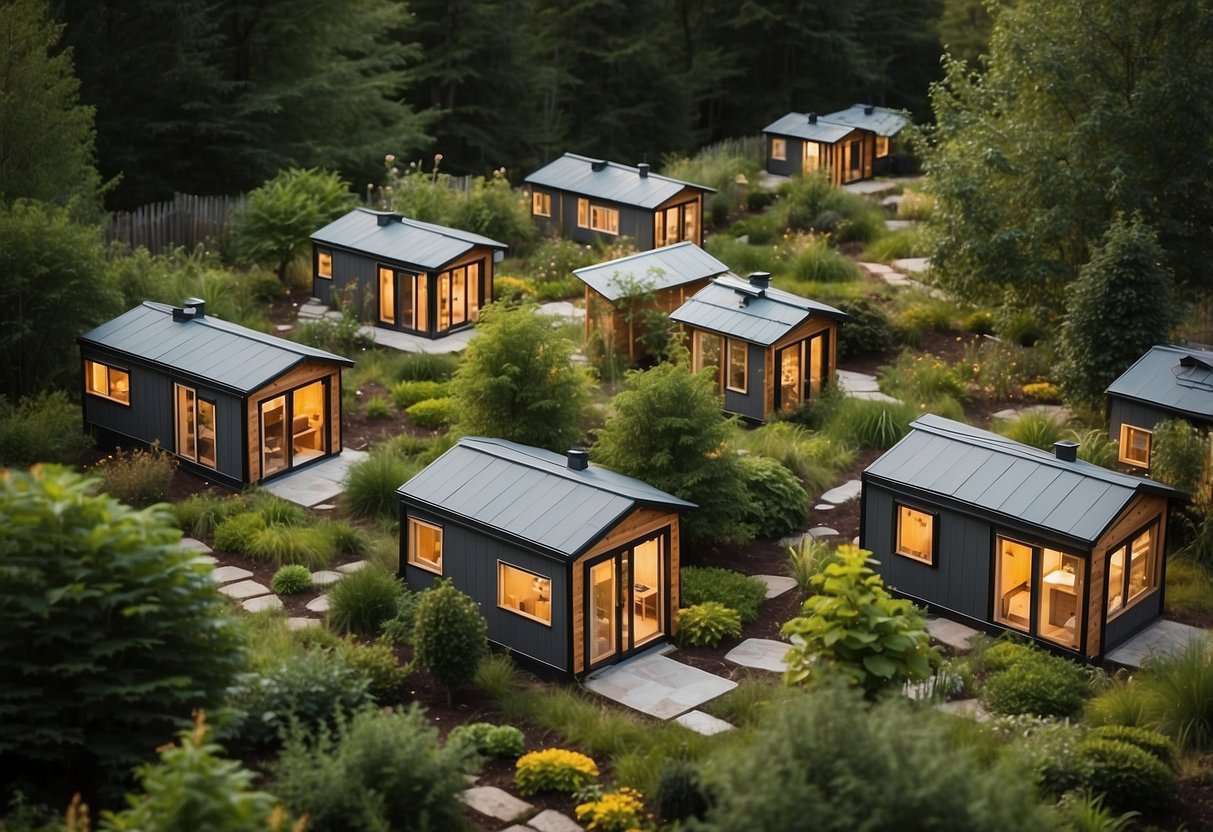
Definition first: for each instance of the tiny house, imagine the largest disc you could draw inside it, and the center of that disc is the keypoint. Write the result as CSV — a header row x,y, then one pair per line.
x,y
771,350
1012,538
1168,382
802,144
233,404
885,124
670,275
418,277
574,566
588,199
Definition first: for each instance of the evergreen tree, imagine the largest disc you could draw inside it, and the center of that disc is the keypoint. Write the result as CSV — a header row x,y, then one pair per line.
x,y
450,636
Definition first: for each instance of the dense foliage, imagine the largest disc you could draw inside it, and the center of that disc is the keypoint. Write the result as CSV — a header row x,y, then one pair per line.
x,y
450,636
109,634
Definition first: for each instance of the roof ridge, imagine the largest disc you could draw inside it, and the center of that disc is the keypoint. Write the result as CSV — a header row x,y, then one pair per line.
x,y
652,252
241,331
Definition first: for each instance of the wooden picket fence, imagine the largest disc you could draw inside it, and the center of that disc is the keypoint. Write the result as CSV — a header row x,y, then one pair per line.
x,y
187,220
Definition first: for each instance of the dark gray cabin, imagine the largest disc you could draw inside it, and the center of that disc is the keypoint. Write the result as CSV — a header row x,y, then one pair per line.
x,y
416,276
1168,382
772,350
802,144
1009,537
573,566
883,123
235,405
588,199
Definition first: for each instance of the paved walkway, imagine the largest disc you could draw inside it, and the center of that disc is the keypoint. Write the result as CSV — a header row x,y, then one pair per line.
x,y
1162,638
657,685
318,484
760,654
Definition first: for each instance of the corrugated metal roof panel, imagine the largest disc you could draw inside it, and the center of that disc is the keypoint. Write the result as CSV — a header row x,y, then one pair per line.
x,y
1172,378
881,121
613,182
662,268
798,126
729,306
224,353
531,493
412,242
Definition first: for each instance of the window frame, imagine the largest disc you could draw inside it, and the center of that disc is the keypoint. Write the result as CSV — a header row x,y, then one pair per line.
x,y
698,361
421,563
598,213
541,203
503,565
1153,560
107,394
1126,444
882,146
321,256
744,346
932,557
779,148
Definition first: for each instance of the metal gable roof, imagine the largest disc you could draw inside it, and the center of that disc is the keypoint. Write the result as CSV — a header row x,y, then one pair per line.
x,y
664,268
1172,378
881,121
613,182
798,126
734,307
995,474
226,354
404,240
531,493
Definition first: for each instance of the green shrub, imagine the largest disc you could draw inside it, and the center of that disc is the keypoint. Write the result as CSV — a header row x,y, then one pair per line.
x,y
399,628
1039,684
449,636
618,810
275,510
407,393
370,485
236,532
1177,454
199,514
979,322
344,537
1095,447
1128,777
378,664
1082,811
1189,588
732,589
807,559
1035,428
919,378
282,545
137,478
498,677
742,257
679,795
1153,743
379,770
777,500
707,624
378,408
291,580
813,458
426,366
812,259
512,291
871,424
927,315
897,245
489,739
361,601
1181,689
1124,702
433,413
343,336
1004,654
553,770
915,205
41,428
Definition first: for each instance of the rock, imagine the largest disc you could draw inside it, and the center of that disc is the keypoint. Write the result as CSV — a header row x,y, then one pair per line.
x,y
192,545
495,803
849,490
326,577
262,603
319,604
549,820
296,623
776,584
354,566
822,531
227,574
244,589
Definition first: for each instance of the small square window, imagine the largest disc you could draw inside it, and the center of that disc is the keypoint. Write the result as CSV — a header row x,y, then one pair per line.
x,y
541,204
425,545
1135,446
107,382
524,593
324,264
916,534
779,149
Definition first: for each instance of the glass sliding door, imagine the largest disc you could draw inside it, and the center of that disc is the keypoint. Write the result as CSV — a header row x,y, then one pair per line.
x,y
648,611
791,377
308,433
1062,578
603,611
387,295
628,594
819,363
186,419
1013,584
274,441
206,433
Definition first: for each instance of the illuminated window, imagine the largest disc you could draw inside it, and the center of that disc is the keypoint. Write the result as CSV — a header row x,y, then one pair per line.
x,y
1013,584
779,149
1135,446
603,219
882,146
916,534
324,264
107,382
524,593
541,204
1132,570
706,350
425,545
1057,615
738,353
583,212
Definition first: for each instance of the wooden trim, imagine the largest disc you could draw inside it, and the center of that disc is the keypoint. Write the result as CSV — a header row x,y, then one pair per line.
x,y
933,559
299,376
424,565
500,563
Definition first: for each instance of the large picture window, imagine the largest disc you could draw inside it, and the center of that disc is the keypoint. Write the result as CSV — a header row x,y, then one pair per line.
x,y
425,545
1135,446
738,365
107,382
676,224
604,219
1039,590
541,204
916,534
1132,570
525,593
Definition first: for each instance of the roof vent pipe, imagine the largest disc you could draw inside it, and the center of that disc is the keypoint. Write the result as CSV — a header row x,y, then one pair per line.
x,y
760,280
868,109
643,170
598,164
193,308
1065,450
812,118
386,218
579,459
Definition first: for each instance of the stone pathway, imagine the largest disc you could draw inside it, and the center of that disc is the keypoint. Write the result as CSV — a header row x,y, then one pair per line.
x,y
657,685
760,654
703,723
861,386
836,496
1163,637
776,584
315,484
952,634
1057,412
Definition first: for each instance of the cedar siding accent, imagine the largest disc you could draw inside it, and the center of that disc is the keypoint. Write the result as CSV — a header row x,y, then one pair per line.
x,y
305,373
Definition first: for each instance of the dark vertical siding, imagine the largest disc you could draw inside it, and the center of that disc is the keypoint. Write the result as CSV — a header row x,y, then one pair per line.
x,y
1123,626
636,223
750,403
1137,414
229,429
149,418
791,165
469,559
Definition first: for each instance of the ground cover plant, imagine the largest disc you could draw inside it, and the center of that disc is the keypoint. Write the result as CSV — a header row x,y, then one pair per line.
x,y
733,590
41,428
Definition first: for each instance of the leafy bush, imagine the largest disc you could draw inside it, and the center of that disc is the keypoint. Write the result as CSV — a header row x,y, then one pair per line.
x,y
275,510
734,590
282,545
1036,683
399,628
137,478
1153,743
407,393
343,336
449,635
1189,588
361,601
378,664
426,366
110,633
919,378
1094,446
378,408
433,413
344,537
1128,777
1083,811
1001,368
370,485
291,580
313,688
490,739
1033,427
813,458
807,559
777,500
614,811
41,428
1042,391
379,769
679,795
926,315
707,624
512,291
554,770
871,424
1004,654
198,514
1177,454
853,627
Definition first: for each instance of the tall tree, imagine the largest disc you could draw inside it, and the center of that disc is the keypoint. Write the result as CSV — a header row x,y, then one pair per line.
x,y
1085,110
46,134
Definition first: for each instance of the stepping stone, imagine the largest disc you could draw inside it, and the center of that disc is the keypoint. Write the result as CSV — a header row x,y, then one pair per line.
x,y
849,490
876,268
823,507
898,225
950,633
326,577
262,603
324,507
319,604
852,382
297,623
702,723
913,264
518,827
349,568
822,531
227,574
776,584
549,820
495,803
283,328
192,545
760,654
965,707
244,589
209,560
